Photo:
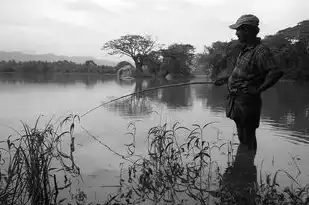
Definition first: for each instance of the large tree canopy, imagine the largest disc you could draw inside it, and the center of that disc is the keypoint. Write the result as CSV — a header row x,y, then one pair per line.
x,y
135,46
290,47
220,56
183,53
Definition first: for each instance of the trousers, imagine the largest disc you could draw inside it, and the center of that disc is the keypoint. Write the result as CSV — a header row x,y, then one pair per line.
x,y
245,109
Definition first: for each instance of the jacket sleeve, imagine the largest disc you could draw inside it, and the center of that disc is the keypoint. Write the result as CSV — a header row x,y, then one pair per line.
x,y
265,60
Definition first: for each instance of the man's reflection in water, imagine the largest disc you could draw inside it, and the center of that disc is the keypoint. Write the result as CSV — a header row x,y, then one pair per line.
x,y
241,177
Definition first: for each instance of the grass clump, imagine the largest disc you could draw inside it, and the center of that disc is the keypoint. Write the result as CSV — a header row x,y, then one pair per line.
x,y
32,163
171,172
179,167
176,171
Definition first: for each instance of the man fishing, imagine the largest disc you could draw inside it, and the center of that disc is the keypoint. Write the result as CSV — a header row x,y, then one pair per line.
x,y
255,71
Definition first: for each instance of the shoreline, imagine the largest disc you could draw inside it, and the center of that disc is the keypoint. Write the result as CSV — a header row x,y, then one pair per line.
x,y
98,74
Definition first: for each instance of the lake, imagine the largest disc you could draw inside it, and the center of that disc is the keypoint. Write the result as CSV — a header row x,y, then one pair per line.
x,y
283,134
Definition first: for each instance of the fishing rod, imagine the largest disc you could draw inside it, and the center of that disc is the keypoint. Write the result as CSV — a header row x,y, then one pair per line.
x,y
147,90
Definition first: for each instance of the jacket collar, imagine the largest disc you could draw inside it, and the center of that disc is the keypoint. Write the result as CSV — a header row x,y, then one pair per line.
x,y
247,47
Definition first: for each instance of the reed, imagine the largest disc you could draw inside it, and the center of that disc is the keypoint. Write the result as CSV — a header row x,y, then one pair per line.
x,y
178,168
32,163
171,172
175,172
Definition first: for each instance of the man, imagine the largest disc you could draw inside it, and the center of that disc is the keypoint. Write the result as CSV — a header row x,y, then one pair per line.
x,y
255,71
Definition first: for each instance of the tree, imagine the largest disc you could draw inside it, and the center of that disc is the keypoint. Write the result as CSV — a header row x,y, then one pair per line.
x,y
220,57
183,53
122,64
135,46
282,49
90,63
153,62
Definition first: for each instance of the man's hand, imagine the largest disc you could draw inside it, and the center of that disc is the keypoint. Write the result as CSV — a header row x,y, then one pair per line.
x,y
252,90
271,79
221,81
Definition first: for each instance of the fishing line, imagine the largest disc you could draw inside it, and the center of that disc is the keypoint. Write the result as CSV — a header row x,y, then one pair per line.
x,y
147,90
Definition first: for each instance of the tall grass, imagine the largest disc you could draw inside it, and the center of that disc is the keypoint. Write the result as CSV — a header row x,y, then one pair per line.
x,y
172,172
178,168
175,172
32,162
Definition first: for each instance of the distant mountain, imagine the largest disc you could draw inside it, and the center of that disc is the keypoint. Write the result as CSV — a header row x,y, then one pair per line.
x,y
19,56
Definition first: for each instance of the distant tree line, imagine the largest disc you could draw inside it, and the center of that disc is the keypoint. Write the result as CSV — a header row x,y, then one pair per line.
x,y
152,58
176,59
289,46
52,67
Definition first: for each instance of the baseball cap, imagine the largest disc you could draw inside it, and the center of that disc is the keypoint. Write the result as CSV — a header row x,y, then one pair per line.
x,y
247,19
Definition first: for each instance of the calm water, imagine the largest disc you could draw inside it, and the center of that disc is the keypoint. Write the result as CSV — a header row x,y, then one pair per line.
x,y
283,134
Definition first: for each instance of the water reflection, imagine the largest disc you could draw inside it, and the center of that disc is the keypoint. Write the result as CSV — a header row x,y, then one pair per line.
x,y
286,105
173,97
285,108
179,97
131,107
125,82
241,177
212,97
64,79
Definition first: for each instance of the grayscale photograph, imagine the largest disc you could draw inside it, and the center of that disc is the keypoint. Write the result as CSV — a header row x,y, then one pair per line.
x,y
155,102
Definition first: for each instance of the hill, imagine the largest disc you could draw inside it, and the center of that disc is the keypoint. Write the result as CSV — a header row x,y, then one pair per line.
x,y
19,56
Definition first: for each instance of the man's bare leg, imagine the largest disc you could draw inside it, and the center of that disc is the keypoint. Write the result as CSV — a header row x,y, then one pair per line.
x,y
250,134
240,133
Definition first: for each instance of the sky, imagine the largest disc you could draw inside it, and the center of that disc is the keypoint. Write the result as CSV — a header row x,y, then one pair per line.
x,y
81,27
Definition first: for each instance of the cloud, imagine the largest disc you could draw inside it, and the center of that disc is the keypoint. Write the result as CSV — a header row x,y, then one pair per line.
x,y
82,26
35,12
10,14
87,6
116,6
58,12
208,3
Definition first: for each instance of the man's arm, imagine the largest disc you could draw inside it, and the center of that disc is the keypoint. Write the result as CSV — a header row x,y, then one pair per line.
x,y
271,79
266,63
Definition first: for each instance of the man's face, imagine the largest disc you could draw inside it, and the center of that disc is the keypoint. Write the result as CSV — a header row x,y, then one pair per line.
x,y
242,34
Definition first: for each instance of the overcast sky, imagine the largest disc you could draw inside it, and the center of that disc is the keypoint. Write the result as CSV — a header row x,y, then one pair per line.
x,y
80,27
